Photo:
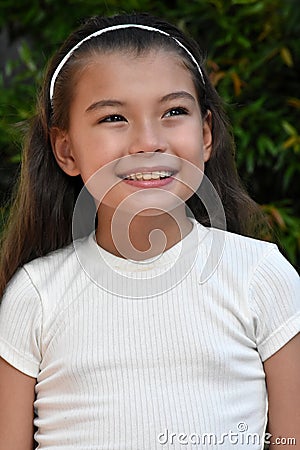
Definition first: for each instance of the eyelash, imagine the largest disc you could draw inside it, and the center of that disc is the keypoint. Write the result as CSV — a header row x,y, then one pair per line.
x,y
114,118
108,119
178,111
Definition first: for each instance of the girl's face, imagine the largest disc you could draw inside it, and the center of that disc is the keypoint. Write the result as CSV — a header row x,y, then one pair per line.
x,y
138,120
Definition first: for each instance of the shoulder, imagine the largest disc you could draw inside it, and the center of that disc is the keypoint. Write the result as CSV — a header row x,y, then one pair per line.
x,y
251,254
233,254
264,261
252,265
45,280
57,265
236,243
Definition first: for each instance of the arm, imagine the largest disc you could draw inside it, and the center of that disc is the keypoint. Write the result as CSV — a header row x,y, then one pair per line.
x,y
16,412
283,385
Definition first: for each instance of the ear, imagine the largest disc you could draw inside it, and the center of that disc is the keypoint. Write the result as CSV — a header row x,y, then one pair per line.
x,y
62,151
207,136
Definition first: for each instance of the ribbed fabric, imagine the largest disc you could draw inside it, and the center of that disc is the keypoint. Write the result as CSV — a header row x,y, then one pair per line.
x,y
125,372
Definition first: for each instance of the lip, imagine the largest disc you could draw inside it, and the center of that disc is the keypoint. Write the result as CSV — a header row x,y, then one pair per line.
x,y
149,183
153,183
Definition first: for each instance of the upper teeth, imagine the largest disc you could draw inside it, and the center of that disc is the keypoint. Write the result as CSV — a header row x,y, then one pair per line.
x,y
149,175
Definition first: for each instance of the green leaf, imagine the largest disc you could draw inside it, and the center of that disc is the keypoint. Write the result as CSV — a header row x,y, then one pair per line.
x,y
289,129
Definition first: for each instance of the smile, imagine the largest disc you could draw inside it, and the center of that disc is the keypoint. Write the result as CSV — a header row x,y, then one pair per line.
x,y
147,176
144,177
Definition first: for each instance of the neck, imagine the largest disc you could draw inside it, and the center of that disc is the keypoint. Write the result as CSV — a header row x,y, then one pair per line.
x,y
143,236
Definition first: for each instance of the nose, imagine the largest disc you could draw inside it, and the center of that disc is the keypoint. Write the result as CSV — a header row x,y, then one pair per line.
x,y
147,138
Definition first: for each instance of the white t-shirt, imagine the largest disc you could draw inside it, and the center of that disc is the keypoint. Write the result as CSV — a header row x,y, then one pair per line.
x,y
162,354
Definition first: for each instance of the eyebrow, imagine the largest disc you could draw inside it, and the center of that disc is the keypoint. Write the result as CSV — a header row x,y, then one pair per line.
x,y
103,104
177,96
110,102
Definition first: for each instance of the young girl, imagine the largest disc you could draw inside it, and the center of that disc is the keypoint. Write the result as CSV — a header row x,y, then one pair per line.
x,y
130,318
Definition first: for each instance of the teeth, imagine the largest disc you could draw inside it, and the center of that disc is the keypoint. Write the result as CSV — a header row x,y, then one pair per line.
x,y
147,176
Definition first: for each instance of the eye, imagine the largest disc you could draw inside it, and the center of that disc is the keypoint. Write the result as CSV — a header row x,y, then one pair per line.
x,y
113,118
176,112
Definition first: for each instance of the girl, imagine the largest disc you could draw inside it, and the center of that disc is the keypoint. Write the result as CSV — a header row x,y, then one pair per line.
x,y
113,336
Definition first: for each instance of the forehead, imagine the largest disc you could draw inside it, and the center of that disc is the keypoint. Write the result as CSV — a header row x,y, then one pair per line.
x,y
126,75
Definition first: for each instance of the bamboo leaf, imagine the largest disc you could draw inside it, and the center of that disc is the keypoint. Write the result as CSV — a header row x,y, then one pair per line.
x,y
286,56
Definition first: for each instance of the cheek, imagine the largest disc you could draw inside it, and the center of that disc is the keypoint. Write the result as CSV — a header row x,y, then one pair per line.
x,y
190,146
91,157
191,151
101,181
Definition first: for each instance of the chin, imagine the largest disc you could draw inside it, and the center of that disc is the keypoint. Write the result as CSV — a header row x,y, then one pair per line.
x,y
152,212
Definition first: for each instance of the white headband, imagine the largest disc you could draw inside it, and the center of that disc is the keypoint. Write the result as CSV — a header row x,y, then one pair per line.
x,y
112,28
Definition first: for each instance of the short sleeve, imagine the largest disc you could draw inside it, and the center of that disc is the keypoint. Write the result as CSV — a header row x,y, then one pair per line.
x,y
20,324
275,302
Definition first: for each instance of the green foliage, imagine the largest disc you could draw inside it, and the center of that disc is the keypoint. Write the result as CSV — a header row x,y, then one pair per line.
x,y
253,57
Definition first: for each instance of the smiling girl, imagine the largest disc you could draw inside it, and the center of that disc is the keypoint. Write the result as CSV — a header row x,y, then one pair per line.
x,y
111,337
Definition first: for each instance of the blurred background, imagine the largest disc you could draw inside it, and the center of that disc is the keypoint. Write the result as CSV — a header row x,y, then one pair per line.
x,y
253,58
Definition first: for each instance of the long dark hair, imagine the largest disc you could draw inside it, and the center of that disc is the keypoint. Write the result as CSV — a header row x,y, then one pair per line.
x,y
40,219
